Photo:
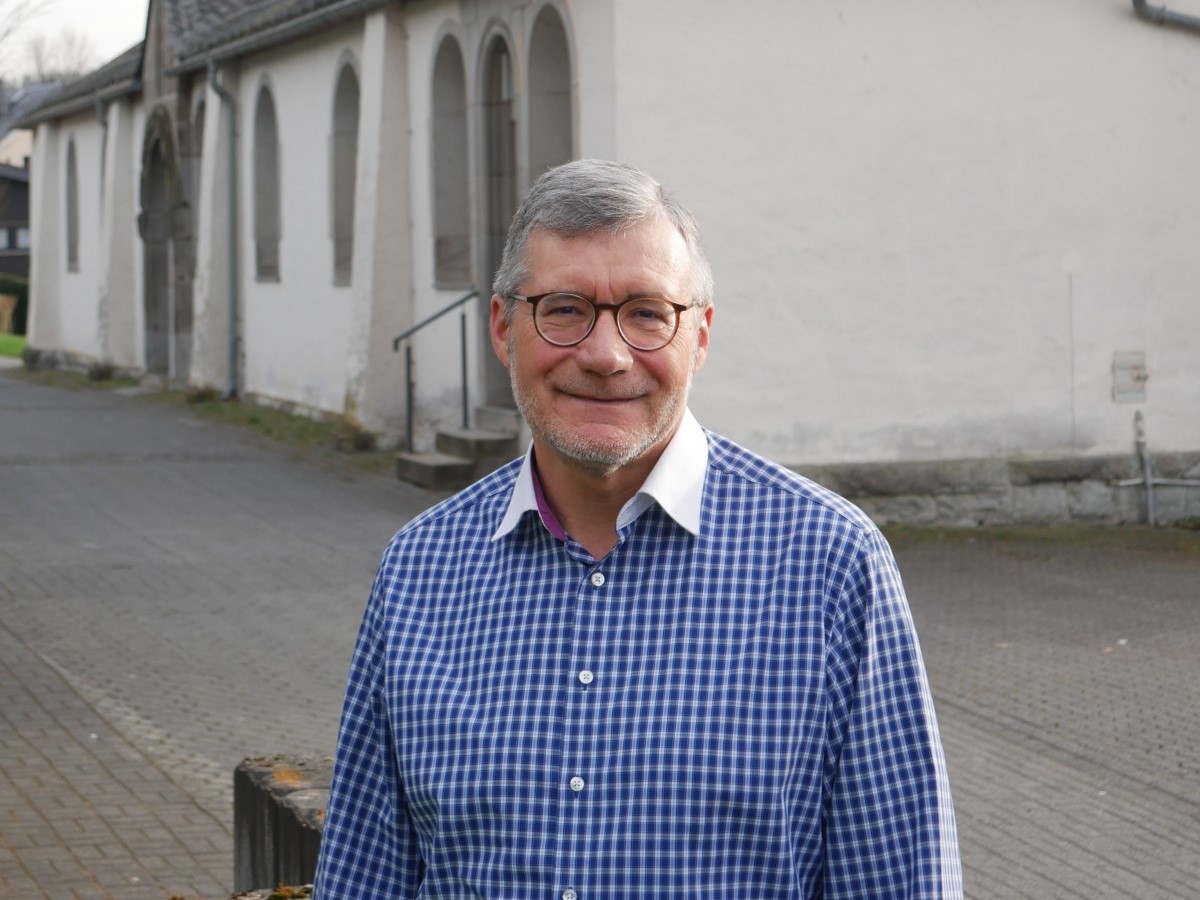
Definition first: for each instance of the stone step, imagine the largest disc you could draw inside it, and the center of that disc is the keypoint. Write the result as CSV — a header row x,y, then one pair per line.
x,y
476,444
435,470
498,418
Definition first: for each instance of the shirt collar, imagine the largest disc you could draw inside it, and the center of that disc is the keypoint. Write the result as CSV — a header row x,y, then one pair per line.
x,y
676,483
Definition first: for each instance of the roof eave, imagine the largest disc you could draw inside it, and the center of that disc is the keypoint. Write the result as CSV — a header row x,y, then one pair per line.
x,y
79,104
274,35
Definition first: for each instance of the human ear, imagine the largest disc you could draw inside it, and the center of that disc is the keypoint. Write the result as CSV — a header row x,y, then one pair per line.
x,y
499,327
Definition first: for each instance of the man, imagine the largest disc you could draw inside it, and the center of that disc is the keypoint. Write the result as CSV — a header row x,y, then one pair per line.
x,y
641,662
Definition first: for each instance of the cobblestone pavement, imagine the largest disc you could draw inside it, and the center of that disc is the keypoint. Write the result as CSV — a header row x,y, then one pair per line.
x,y
176,596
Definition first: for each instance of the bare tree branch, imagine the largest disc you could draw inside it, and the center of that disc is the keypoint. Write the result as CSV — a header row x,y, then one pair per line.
x,y
15,13
65,56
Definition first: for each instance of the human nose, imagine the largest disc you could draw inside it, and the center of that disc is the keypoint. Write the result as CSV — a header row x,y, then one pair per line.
x,y
604,351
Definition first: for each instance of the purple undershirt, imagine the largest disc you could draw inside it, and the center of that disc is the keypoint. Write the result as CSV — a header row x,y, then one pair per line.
x,y
549,519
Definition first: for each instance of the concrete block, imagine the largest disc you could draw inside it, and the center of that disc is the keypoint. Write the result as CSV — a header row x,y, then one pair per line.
x,y
889,510
278,814
1040,503
1092,501
1023,472
964,510
901,479
1130,503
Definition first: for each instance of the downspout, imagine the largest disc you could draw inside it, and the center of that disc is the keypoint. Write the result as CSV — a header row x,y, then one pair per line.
x,y
228,99
1163,16
102,118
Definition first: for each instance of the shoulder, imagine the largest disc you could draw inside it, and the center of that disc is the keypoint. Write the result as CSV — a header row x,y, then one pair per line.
x,y
738,472
473,511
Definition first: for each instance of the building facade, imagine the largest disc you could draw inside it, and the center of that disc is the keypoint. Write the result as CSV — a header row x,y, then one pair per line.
x,y
946,237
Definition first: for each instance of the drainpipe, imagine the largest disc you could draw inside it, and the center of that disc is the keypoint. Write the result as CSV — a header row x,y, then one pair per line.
x,y
102,118
228,99
1163,16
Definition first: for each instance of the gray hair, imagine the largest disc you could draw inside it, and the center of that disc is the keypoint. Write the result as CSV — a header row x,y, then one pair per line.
x,y
592,195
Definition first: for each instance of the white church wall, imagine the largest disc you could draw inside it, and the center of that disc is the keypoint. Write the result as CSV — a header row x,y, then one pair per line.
x,y
45,197
79,286
118,292
211,336
295,329
931,226
436,349
138,298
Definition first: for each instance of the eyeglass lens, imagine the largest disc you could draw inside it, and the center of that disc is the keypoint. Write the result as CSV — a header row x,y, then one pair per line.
x,y
646,323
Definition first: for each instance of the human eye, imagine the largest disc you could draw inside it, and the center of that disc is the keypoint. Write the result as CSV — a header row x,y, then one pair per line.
x,y
648,312
563,308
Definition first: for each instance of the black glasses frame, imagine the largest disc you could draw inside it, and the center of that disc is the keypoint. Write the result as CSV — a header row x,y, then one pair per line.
x,y
535,299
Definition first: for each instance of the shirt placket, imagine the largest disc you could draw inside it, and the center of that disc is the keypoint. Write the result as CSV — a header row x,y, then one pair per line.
x,y
580,782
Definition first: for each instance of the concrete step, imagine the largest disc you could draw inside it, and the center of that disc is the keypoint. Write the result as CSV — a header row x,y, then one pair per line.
x,y
435,470
498,418
475,443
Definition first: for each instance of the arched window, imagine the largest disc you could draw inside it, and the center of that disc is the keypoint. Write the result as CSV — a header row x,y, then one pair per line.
x,y
451,210
501,148
344,160
500,187
549,94
72,209
267,217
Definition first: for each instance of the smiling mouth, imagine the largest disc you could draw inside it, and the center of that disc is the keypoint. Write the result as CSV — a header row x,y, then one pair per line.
x,y
590,399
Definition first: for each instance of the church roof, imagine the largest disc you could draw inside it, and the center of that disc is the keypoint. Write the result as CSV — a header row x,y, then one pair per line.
x,y
200,31
20,103
205,29
115,78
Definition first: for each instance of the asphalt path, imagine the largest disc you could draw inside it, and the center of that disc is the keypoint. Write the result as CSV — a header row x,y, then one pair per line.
x,y
177,595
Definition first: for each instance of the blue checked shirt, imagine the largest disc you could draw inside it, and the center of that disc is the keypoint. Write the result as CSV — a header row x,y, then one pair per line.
x,y
730,704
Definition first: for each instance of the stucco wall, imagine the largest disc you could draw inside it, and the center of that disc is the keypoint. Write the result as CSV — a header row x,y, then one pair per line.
x,y
295,330
931,225
589,33
77,290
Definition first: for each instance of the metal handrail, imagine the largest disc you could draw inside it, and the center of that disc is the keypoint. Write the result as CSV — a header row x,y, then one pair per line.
x,y
408,364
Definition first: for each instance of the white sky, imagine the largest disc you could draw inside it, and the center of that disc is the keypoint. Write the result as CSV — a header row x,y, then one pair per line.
x,y
110,26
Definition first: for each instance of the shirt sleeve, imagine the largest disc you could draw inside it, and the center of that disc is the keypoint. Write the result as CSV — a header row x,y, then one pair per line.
x,y
889,821
368,846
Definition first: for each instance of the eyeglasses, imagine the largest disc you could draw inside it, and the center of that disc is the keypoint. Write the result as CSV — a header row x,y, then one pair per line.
x,y
644,323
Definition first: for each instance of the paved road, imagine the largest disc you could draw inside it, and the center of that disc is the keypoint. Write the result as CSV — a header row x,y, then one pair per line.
x,y
176,595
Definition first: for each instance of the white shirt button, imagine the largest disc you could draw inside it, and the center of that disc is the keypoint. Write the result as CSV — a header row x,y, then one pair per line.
x,y
576,784
569,894
598,579
586,677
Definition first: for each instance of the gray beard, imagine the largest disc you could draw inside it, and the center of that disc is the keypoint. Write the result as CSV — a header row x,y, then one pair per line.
x,y
592,457
596,459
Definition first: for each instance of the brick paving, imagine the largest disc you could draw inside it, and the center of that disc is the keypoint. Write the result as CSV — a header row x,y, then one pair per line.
x,y
176,595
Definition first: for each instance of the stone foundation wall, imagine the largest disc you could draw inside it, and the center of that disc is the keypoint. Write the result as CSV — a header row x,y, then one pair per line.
x,y
963,493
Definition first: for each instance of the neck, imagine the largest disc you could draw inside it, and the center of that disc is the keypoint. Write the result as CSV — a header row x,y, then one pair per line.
x,y
587,502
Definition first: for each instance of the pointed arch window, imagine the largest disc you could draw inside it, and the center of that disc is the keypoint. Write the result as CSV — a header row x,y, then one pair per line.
x,y
72,209
550,126
267,215
451,209
344,162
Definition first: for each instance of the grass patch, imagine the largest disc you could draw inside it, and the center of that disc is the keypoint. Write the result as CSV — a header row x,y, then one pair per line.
x,y
328,441
1182,537
70,380
12,344
299,431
